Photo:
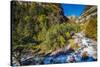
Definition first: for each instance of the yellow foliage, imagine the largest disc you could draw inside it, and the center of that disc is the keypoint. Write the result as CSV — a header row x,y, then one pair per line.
x,y
91,28
62,40
67,34
73,45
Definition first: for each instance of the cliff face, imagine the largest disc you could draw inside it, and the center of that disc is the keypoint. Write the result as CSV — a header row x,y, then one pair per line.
x,y
54,12
89,20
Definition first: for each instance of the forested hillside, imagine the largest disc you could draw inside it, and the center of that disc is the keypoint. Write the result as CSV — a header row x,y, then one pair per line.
x,y
42,29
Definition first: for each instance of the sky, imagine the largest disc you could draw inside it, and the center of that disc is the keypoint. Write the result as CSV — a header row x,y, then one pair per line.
x,y
72,9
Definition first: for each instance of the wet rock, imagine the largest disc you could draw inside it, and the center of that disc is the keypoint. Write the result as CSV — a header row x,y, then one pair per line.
x,y
85,55
71,59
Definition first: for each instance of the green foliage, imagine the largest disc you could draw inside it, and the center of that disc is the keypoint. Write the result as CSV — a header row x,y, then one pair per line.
x,y
41,34
42,21
48,9
27,18
62,40
36,28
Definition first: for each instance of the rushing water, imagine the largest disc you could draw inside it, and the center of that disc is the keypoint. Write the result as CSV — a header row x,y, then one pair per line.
x,y
86,45
67,59
64,57
59,59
